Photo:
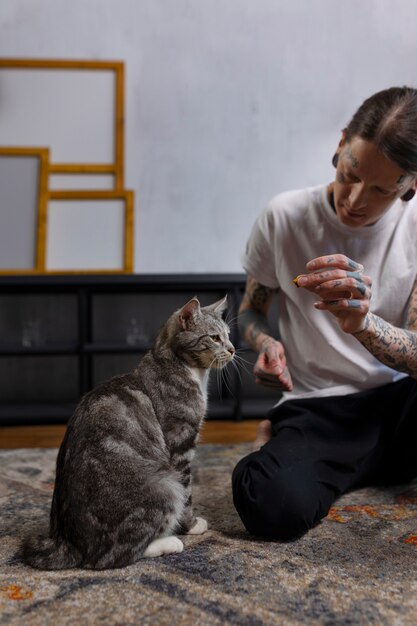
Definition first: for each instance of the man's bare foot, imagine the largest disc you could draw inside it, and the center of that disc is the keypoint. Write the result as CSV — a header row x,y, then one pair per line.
x,y
263,434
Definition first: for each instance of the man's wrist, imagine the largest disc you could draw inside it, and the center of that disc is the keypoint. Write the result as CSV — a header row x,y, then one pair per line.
x,y
264,342
254,328
364,328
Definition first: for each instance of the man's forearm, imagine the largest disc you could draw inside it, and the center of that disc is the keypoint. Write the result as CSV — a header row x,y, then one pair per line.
x,y
254,328
395,347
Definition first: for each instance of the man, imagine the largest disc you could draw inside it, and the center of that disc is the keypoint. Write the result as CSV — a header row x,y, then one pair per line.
x,y
342,260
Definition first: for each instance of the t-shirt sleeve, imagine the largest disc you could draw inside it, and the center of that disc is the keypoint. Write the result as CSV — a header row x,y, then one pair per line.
x,y
259,257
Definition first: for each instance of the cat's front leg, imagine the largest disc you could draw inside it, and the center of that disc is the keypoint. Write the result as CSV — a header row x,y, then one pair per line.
x,y
189,524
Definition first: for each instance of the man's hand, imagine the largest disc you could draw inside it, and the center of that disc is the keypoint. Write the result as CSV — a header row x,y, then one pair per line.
x,y
271,366
344,289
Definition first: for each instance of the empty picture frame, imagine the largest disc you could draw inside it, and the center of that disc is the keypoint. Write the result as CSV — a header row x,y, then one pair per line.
x,y
23,198
89,231
96,182
74,107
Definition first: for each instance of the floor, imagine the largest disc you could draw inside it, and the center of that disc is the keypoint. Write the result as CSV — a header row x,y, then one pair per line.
x,y
214,431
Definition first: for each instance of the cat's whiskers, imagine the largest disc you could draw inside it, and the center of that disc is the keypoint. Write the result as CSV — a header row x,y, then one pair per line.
x,y
219,382
241,365
241,361
235,364
218,375
225,373
231,321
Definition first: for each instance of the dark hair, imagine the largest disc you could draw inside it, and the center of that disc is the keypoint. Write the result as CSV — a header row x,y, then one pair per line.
x,y
389,120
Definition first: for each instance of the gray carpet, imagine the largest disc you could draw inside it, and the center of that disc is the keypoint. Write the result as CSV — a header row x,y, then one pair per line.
x,y
357,567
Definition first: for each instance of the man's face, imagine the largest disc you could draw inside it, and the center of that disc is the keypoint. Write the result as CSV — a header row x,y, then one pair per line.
x,y
367,183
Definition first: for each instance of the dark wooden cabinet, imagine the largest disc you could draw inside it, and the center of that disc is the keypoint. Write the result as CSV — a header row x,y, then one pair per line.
x,y
62,335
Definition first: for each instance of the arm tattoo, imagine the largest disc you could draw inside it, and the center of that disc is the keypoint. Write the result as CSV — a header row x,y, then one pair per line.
x,y
251,324
259,295
252,320
395,347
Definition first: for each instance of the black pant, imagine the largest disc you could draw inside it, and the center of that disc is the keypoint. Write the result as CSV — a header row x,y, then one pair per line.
x,y
322,448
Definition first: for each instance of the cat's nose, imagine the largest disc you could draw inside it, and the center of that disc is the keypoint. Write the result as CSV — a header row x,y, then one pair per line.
x,y
231,350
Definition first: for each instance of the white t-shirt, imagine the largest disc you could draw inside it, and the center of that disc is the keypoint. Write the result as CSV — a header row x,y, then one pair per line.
x,y
298,226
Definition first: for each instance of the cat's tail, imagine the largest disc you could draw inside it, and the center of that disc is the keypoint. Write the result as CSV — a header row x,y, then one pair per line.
x,y
50,554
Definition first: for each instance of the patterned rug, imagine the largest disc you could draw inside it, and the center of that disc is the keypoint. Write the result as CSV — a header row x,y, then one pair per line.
x,y
357,567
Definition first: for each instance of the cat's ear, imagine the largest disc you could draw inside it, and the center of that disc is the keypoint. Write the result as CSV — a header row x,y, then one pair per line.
x,y
218,307
188,312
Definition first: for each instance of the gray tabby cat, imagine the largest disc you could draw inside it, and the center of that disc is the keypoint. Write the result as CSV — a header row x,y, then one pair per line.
x,y
123,476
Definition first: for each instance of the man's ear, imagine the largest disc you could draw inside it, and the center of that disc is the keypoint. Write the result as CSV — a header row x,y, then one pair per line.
x,y
410,193
189,312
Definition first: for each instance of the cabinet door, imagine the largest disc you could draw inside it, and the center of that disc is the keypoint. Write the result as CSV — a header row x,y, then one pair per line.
x,y
38,320
38,379
39,366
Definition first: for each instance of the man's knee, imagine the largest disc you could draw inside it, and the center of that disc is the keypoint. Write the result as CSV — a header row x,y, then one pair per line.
x,y
276,503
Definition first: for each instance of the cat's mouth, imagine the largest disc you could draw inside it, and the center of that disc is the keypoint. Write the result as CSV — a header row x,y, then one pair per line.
x,y
222,360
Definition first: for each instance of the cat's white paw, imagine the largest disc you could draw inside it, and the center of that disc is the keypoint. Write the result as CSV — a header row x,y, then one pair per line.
x,y
164,545
199,527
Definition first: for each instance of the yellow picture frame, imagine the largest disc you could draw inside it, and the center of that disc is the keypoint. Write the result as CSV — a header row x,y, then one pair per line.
x,y
116,167
40,201
127,197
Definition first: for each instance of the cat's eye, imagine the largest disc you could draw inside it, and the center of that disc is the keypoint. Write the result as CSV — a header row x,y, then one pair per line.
x,y
215,338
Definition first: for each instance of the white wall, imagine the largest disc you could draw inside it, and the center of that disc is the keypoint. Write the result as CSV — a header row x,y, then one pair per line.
x,y
227,101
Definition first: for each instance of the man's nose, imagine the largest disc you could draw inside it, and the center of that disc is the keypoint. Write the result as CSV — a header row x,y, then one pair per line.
x,y
358,197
